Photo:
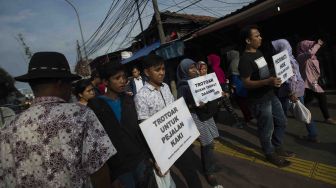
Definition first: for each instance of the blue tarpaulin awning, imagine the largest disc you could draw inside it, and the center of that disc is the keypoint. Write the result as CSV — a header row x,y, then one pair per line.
x,y
171,50
142,52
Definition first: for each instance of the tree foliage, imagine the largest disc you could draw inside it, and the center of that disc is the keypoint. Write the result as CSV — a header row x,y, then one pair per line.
x,y
26,48
6,78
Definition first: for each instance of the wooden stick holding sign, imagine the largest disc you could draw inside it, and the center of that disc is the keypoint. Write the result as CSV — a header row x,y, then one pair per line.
x,y
169,133
282,66
205,88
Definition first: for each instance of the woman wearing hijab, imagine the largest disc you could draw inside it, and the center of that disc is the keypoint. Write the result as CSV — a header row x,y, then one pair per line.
x,y
202,115
214,61
293,89
310,71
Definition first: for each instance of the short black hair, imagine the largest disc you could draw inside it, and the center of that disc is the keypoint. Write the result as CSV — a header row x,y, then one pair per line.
x,y
135,67
80,86
152,60
246,33
110,69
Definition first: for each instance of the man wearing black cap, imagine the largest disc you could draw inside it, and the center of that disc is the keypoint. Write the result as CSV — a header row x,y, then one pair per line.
x,y
53,143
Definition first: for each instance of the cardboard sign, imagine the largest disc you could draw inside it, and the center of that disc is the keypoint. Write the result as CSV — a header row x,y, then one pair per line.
x,y
205,88
282,66
169,133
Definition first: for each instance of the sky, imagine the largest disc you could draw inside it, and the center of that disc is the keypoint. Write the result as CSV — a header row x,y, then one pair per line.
x,y
51,25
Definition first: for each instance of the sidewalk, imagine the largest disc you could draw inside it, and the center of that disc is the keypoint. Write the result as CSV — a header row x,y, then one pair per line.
x,y
243,165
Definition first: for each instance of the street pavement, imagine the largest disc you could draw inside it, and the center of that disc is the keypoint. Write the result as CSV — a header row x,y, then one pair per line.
x,y
242,164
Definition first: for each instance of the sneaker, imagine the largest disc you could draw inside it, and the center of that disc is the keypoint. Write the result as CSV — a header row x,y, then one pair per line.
x,y
277,160
330,121
310,139
283,153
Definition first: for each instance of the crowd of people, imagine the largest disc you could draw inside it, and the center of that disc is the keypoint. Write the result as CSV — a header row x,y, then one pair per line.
x,y
96,141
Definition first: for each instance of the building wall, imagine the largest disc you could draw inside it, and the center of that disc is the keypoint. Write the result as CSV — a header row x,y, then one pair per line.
x,y
311,21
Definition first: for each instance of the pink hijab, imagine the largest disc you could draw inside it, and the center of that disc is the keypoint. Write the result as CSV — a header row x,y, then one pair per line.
x,y
309,65
214,61
305,50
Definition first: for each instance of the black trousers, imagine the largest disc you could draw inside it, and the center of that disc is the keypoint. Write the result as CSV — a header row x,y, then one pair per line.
x,y
321,98
189,164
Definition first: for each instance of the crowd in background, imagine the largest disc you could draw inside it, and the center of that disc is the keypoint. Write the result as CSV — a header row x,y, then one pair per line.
x,y
96,139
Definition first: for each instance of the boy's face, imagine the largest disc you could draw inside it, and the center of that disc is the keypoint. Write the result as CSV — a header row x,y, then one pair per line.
x,y
135,73
117,82
156,74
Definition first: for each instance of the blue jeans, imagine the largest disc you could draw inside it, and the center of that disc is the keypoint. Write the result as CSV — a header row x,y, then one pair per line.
x,y
311,127
271,122
132,178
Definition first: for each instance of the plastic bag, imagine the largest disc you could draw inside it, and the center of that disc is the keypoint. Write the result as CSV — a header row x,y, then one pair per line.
x,y
300,112
164,182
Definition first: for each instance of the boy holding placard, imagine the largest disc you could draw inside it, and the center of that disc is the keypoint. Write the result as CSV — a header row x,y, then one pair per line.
x,y
154,96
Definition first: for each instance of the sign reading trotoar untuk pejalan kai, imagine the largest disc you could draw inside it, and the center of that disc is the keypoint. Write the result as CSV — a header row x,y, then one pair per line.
x,y
169,133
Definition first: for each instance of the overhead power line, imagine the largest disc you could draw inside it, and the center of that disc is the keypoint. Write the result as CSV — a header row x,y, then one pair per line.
x,y
189,5
208,10
118,16
237,3
178,6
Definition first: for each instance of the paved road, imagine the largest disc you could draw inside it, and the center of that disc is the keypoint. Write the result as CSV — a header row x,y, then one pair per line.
x,y
242,164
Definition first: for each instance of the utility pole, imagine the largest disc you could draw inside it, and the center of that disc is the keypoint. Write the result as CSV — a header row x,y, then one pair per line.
x,y
159,22
163,40
80,28
140,21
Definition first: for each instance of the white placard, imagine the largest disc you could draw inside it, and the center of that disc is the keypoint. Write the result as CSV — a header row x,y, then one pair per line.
x,y
169,133
205,88
282,66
